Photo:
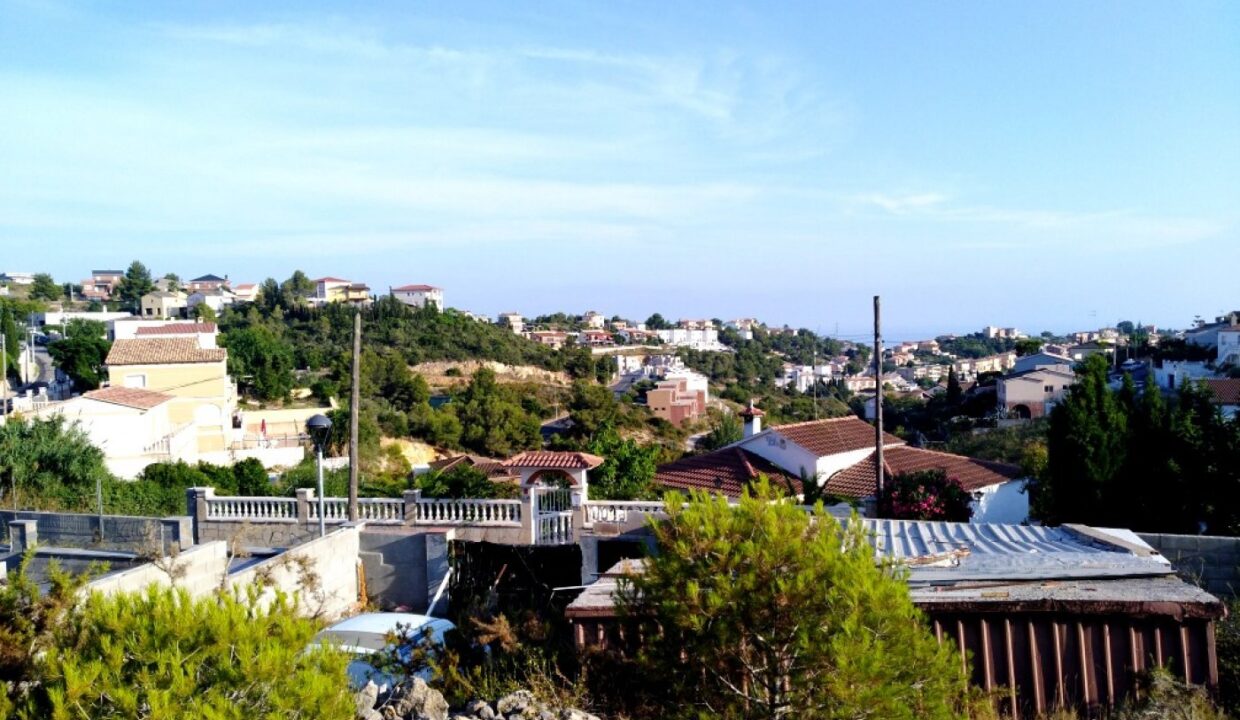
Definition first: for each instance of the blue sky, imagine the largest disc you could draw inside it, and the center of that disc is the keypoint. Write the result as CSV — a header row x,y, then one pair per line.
x,y
1044,165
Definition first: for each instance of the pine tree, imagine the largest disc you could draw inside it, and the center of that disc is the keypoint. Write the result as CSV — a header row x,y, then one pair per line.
x,y
765,611
136,283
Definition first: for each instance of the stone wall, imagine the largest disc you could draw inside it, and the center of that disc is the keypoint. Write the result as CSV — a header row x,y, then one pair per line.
x,y
1210,561
321,573
200,570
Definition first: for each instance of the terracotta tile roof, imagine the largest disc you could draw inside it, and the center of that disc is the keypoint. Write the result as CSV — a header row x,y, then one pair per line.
x,y
414,288
554,460
162,351
185,328
128,397
330,279
858,481
727,471
834,435
1226,390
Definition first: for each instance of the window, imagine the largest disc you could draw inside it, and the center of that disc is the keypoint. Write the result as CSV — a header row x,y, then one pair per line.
x,y
1049,388
135,381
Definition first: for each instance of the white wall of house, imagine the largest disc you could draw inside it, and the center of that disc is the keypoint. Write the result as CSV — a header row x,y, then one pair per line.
x,y
1004,503
1173,373
787,455
1229,346
130,438
419,298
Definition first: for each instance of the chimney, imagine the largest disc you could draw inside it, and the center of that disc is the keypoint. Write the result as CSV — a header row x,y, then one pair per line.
x,y
753,420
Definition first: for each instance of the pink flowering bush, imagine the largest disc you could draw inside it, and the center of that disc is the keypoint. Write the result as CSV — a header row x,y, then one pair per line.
x,y
925,495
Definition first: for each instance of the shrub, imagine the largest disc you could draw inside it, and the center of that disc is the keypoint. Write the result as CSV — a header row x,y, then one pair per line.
x,y
925,495
159,654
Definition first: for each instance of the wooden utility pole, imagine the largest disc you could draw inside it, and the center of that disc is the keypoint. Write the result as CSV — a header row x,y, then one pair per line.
x,y
878,395
354,413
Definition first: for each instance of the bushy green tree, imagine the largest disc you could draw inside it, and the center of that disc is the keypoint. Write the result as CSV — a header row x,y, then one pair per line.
x,y
463,481
161,653
1134,458
135,283
725,430
45,288
81,353
765,611
628,469
48,459
491,422
261,360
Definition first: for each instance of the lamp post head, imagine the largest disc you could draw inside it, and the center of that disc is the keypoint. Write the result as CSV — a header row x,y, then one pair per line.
x,y
319,428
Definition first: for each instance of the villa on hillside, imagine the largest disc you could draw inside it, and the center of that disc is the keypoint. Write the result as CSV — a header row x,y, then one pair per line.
x,y
838,454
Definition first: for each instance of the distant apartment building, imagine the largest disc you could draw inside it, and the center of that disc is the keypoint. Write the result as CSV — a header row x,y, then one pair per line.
x,y
675,401
696,334
513,321
594,320
245,292
332,290
164,304
1206,334
17,278
744,327
216,299
419,295
101,284
972,367
207,283
1044,359
595,338
991,332
554,339
1032,394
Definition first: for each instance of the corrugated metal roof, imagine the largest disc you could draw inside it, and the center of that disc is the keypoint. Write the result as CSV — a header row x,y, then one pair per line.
x,y
965,551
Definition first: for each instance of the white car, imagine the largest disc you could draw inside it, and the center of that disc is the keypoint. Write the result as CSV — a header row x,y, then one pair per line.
x,y
366,634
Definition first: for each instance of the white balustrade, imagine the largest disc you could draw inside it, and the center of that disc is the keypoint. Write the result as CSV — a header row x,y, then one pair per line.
x,y
622,511
555,528
452,511
381,510
266,509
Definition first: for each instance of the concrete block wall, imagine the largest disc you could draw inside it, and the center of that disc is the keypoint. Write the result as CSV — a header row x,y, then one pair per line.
x,y
1210,561
395,568
200,570
322,573
79,530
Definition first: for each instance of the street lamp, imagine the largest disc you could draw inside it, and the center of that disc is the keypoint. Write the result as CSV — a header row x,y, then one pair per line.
x,y
319,428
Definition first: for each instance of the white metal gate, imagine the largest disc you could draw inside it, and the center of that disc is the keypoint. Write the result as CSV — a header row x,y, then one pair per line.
x,y
553,516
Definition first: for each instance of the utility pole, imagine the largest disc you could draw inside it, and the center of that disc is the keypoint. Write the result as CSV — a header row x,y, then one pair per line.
x,y
4,376
878,396
354,412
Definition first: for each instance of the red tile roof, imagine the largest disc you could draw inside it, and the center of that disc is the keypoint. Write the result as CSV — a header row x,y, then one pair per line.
x,y
185,328
162,351
136,398
1226,390
858,480
728,471
547,459
330,279
414,288
834,435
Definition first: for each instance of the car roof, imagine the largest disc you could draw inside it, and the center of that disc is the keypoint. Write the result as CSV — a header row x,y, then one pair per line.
x,y
387,622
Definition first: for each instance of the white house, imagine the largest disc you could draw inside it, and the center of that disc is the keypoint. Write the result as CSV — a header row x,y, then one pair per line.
x,y
1032,394
216,299
594,320
1040,360
1226,393
513,320
1229,346
1173,373
132,426
419,295
838,454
